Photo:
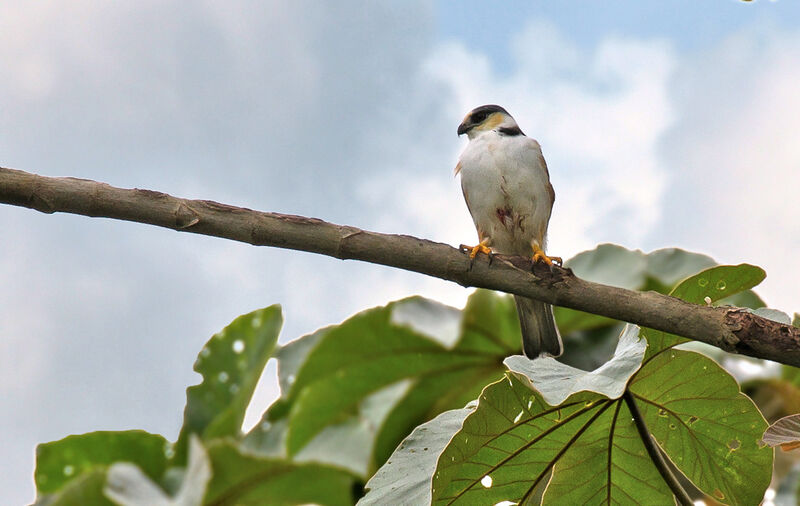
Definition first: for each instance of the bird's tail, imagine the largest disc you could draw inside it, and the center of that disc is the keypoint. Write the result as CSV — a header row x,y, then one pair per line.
x,y
539,332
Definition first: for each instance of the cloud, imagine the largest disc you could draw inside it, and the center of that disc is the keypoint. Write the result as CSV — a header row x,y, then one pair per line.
x,y
734,169
598,114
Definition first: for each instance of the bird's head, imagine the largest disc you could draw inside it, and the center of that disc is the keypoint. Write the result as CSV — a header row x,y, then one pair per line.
x,y
486,118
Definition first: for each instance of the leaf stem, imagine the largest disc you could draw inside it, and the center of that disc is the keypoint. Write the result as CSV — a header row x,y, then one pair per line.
x,y
655,453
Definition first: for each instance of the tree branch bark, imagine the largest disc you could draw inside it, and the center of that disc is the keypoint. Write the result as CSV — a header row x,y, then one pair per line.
x,y
730,329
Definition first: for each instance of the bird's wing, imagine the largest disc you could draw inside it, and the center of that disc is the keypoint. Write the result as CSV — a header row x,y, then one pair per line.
x,y
528,186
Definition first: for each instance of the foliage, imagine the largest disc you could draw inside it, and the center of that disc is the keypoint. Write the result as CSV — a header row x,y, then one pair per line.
x,y
380,400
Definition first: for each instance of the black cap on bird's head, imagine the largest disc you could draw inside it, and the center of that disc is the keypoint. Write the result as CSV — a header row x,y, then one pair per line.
x,y
479,115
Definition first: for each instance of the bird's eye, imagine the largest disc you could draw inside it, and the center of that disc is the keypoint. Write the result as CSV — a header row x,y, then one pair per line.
x,y
478,117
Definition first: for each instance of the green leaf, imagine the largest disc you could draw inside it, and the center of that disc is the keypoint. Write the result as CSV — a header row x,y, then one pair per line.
x,y
508,447
231,364
346,444
366,353
589,349
610,264
429,396
614,265
671,265
63,461
406,476
707,427
460,353
715,283
240,477
607,464
127,485
489,324
84,489
791,374
557,381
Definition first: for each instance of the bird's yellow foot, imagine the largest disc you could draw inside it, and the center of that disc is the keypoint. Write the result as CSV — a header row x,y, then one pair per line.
x,y
539,256
480,248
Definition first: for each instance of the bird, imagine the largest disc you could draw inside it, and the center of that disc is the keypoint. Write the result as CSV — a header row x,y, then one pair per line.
x,y
507,189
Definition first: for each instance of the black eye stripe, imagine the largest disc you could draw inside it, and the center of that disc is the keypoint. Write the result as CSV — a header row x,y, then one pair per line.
x,y
478,117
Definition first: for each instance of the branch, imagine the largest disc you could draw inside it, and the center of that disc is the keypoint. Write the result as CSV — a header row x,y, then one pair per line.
x,y
730,329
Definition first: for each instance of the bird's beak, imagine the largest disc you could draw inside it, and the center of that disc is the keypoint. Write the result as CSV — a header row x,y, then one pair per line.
x,y
463,127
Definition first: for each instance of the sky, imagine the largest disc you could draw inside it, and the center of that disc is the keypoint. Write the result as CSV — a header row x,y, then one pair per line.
x,y
663,124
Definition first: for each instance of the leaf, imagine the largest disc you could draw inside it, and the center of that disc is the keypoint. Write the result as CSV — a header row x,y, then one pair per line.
x,y
428,397
348,444
707,427
784,433
791,374
715,283
406,476
773,314
509,445
60,462
614,265
671,265
84,489
607,464
127,485
796,320
557,381
240,477
231,363
488,325
610,264
371,351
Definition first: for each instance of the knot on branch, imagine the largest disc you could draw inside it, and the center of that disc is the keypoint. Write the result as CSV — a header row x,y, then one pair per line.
x,y
750,333
185,216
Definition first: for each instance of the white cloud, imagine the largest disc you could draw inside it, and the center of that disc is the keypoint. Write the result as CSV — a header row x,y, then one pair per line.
x,y
735,168
598,114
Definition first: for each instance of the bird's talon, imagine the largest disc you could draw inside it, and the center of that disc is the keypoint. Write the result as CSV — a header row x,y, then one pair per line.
x,y
539,256
474,250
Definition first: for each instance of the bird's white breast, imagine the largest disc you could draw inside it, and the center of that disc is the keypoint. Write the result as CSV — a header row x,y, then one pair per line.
x,y
507,189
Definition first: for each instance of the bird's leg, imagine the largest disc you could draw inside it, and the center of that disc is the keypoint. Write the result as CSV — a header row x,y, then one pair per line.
x,y
539,256
482,247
